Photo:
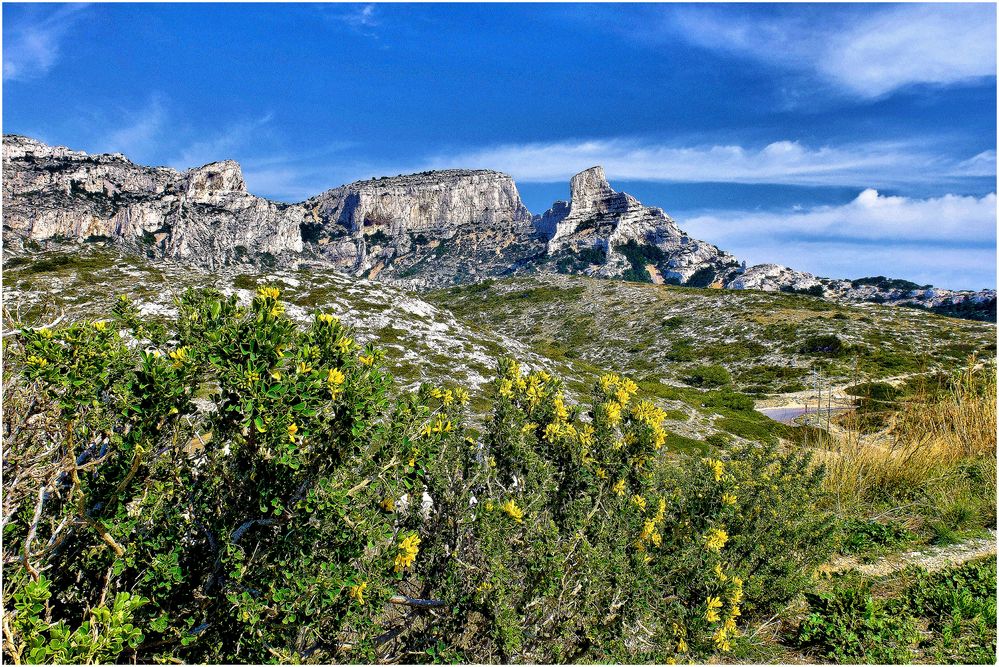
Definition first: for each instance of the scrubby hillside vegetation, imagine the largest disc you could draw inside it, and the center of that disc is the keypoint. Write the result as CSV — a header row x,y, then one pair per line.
x,y
222,482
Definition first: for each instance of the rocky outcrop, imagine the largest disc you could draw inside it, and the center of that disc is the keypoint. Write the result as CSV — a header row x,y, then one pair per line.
x,y
615,235
203,215
428,229
423,230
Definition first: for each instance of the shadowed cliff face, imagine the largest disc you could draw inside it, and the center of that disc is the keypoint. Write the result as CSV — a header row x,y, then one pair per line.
x,y
425,230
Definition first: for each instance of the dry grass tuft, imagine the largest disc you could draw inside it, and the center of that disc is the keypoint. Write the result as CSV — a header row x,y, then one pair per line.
x,y
932,441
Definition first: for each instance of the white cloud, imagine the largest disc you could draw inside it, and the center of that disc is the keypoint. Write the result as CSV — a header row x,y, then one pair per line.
x,y
786,162
865,51
948,241
32,47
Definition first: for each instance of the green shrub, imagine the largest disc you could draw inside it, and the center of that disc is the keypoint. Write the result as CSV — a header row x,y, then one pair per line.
x,y
828,345
849,624
708,376
235,488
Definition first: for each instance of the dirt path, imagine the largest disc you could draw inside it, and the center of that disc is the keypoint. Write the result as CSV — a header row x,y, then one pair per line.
x,y
930,558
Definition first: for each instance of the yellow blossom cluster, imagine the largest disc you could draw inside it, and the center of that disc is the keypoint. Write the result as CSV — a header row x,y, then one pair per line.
x,y
717,468
715,539
335,379
326,318
408,548
728,628
179,356
344,344
357,592
515,513
651,416
100,325
268,292
292,431
439,424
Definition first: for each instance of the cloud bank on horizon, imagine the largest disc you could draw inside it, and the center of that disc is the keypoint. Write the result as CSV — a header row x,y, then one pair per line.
x,y
875,124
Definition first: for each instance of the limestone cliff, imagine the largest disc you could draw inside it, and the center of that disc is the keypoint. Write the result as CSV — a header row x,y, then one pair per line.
x,y
611,234
204,214
427,229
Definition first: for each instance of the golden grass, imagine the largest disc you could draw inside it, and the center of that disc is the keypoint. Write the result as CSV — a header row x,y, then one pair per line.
x,y
929,436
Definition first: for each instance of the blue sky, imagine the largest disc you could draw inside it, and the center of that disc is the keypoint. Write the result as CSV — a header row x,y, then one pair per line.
x,y
845,140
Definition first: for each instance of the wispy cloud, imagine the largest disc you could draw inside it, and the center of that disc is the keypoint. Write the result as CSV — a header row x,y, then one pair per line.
x,y
139,132
785,162
864,51
32,43
221,146
361,18
948,241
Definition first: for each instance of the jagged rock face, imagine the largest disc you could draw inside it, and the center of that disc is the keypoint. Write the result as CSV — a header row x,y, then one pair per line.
x,y
425,229
422,231
620,234
772,278
204,215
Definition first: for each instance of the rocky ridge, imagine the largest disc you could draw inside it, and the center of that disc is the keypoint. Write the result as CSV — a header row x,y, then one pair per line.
x,y
420,231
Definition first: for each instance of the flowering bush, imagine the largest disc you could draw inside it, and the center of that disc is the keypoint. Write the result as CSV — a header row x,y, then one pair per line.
x,y
234,488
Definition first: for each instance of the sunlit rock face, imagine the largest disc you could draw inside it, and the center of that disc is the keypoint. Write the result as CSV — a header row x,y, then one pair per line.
x,y
204,214
619,234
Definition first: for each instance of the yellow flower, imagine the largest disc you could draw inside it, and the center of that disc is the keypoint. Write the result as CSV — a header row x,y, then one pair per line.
x,y
344,345
639,501
552,431
713,605
657,539
179,356
276,375
728,498
608,382
622,395
648,529
681,646
561,412
366,359
489,506
506,388
303,368
528,427
483,587
461,395
613,412
717,467
326,318
277,309
35,360
721,640
292,430
510,507
718,572
408,548
269,292
729,625
618,487
357,592
715,539
388,504
601,473
100,326
447,398
335,377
